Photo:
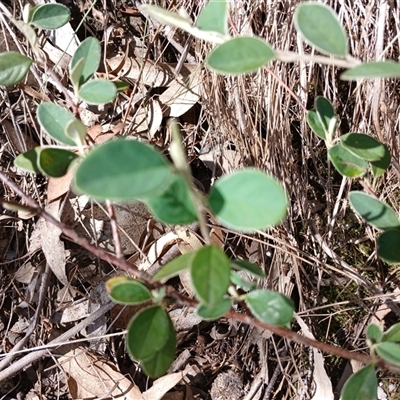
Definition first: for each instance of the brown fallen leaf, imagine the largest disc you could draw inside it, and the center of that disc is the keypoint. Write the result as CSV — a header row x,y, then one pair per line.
x,y
182,94
165,383
57,187
150,73
323,385
92,376
46,237
148,118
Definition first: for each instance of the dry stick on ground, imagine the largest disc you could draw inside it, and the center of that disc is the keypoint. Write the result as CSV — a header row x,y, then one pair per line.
x,y
124,265
30,358
42,296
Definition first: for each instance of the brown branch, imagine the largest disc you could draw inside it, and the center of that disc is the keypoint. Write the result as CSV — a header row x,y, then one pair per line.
x,y
247,319
34,356
74,237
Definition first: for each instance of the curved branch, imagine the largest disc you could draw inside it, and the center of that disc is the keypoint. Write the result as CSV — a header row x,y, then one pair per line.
x,y
247,319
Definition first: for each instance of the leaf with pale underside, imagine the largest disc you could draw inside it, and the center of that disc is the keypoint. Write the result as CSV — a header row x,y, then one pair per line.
x,y
13,67
319,26
373,69
392,334
98,91
240,55
90,51
50,16
54,119
363,146
214,17
346,163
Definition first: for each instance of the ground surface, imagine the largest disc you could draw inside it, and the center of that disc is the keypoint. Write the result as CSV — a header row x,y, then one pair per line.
x,y
244,121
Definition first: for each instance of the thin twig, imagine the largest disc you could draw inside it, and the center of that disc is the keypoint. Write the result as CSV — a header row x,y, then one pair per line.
x,y
249,320
37,355
114,229
284,332
74,237
289,56
42,296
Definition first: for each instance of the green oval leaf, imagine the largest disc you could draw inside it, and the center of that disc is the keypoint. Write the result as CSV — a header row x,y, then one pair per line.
x,y
30,34
76,131
175,205
389,351
363,146
210,272
388,246
320,27
50,16
320,119
148,332
374,211
374,334
54,119
167,17
325,111
76,74
160,362
379,167
55,162
28,161
362,385
214,17
392,334
373,69
125,290
240,55
98,91
315,124
248,200
214,312
243,265
13,67
122,170
28,12
183,22
90,51
346,163
174,267
121,86
237,280
270,307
